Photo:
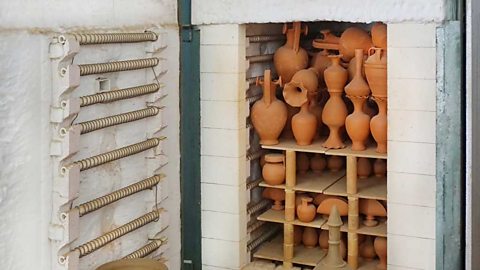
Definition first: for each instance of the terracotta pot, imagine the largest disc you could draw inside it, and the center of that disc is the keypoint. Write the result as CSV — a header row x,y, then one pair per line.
x,y
291,58
318,164
379,35
323,243
316,109
287,132
277,195
326,205
269,115
297,235
364,167
303,163
299,197
352,68
367,250
296,91
306,211
376,72
358,86
371,209
319,198
310,237
378,125
274,170
304,126
380,168
335,163
335,112
352,38
369,107
357,124
320,62
380,246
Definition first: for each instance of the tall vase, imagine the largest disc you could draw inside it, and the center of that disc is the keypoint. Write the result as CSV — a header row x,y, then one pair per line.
x,y
376,72
378,125
304,125
269,115
358,124
316,109
291,58
335,111
287,132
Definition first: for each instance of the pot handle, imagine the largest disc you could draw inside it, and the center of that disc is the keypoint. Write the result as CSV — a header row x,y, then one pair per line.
x,y
297,31
266,85
319,44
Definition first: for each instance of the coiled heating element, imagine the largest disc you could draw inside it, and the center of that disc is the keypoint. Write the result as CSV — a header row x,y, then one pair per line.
x,y
100,202
101,241
147,249
254,208
126,151
114,95
92,125
254,243
105,38
98,68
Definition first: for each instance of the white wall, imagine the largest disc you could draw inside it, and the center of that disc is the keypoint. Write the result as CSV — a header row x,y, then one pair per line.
x,y
26,28
252,11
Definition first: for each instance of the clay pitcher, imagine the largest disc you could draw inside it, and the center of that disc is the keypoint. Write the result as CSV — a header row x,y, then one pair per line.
x,y
378,125
310,237
380,168
318,164
291,58
380,246
376,72
304,126
303,163
273,171
367,250
379,35
335,111
364,168
306,211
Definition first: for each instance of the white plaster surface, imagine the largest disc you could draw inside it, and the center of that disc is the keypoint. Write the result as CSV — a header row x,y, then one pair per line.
x,y
26,171
251,11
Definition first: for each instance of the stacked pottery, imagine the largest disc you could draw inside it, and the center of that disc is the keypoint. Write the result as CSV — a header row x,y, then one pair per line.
x,y
376,73
371,208
273,171
380,168
303,163
364,168
380,246
335,111
275,194
310,237
352,38
269,115
318,164
358,123
306,210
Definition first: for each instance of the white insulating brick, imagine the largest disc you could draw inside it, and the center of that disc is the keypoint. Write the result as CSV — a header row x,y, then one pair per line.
x,y
223,226
421,189
223,142
223,170
411,126
221,198
412,252
412,63
412,35
221,253
222,58
412,94
411,220
223,114
222,34
409,157
222,86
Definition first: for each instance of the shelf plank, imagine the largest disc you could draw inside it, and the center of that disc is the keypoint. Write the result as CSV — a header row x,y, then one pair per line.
x,y
347,151
372,188
271,215
339,188
264,184
318,222
379,230
311,182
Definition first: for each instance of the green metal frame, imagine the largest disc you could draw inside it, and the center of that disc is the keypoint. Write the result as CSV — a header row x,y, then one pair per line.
x,y
190,139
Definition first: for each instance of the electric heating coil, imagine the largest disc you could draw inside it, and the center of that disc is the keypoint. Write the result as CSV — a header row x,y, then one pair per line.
x,y
252,209
126,151
253,98
114,95
257,224
100,202
113,120
86,39
253,244
260,58
98,68
254,183
145,250
249,123
101,241
268,38
254,154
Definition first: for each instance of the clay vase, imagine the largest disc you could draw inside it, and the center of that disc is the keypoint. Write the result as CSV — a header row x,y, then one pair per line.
x,y
297,235
299,197
371,209
303,82
287,132
314,107
379,35
380,168
310,237
367,250
277,195
306,211
317,200
352,68
335,163
318,164
303,163
269,115
378,125
364,168
273,171
304,126
327,204
320,62
352,38
376,72
335,111
291,58
380,246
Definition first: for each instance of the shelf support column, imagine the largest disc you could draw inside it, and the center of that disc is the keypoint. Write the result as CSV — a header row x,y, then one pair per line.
x,y
290,181
353,216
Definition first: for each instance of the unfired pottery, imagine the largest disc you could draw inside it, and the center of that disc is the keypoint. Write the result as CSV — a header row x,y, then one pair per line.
x,y
296,91
304,126
316,109
379,35
298,198
269,115
323,243
277,195
317,200
378,125
352,69
358,86
367,250
287,132
318,164
335,111
303,163
326,205
364,168
376,72
352,38
380,245
320,62
306,210
291,58
297,235
371,208
310,237
335,163
273,171
380,168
